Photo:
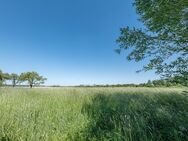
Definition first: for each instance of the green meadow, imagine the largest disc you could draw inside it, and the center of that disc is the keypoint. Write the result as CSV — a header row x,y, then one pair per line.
x,y
94,114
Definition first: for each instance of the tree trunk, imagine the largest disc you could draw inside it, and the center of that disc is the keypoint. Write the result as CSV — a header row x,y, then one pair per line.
x,y
31,86
14,83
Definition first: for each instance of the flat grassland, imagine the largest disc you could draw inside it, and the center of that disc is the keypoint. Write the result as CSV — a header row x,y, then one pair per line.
x,y
94,114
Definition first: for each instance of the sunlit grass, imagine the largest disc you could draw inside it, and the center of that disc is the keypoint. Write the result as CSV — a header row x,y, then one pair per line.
x,y
58,114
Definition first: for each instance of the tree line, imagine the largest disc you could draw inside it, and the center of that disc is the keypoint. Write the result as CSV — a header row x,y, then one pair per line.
x,y
31,78
174,81
169,82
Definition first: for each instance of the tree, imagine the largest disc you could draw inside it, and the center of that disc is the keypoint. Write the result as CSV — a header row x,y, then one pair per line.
x,y
33,78
3,77
149,83
164,38
15,79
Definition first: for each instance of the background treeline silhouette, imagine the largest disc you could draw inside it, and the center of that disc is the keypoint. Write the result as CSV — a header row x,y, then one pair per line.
x,y
34,79
28,78
170,82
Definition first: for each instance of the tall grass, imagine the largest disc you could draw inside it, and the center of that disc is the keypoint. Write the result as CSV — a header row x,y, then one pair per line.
x,y
130,114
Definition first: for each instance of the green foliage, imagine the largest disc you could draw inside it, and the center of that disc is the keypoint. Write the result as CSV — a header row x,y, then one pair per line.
x,y
33,78
94,114
164,41
173,81
3,77
149,83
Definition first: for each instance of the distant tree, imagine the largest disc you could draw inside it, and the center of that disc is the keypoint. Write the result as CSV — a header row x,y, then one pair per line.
x,y
155,83
3,77
149,83
33,78
6,77
179,80
14,78
164,40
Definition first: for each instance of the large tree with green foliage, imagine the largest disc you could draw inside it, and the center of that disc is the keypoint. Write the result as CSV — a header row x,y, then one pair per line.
x,y
3,77
33,78
163,40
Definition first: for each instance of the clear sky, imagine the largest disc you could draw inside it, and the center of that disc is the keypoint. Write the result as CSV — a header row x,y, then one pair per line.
x,y
70,42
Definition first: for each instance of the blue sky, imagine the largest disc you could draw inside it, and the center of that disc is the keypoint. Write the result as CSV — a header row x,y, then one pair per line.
x,y
70,42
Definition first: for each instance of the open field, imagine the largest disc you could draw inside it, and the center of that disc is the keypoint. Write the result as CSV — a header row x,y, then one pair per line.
x,y
118,114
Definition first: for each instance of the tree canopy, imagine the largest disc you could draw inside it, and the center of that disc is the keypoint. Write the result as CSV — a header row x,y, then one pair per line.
x,y
33,78
3,77
164,38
